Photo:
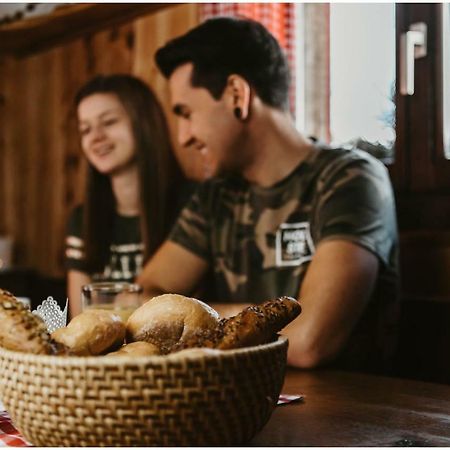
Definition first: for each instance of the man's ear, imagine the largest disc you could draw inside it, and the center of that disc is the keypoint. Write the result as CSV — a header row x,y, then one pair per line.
x,y
239,92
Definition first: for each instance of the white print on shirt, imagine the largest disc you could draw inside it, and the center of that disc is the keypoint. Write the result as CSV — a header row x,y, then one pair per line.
x,y
294,244
122,265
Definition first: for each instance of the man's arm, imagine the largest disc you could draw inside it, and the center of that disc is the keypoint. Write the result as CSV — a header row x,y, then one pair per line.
x,y
172,269
336,288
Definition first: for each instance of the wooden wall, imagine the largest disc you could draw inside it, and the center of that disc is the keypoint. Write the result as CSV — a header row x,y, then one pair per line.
x,y
42,169
425,331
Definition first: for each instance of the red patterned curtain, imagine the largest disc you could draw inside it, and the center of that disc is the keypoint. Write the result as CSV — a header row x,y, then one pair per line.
x,y
278,18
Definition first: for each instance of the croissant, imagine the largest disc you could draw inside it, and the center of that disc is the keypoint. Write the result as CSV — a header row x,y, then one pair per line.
x,y
21,330
255,325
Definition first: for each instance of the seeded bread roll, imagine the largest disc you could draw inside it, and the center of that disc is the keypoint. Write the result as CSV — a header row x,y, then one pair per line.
x,y
254,325
168,319
93,332
20,329
259,324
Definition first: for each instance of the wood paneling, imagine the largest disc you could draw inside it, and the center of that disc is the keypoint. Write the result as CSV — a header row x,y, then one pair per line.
x,y
424,331
42,169
151,32
425,265
67,22
424,341
423,211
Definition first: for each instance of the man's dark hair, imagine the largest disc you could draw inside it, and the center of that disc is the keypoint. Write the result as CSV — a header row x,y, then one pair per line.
x,y
223,46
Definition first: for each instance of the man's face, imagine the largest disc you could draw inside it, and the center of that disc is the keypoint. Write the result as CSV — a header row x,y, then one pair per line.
x,y
206,124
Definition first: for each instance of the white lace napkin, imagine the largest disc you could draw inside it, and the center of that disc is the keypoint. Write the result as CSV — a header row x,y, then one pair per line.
x,y
50,312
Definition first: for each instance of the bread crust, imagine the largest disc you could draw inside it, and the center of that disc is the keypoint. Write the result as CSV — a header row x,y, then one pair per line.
x,y
139,348
254,325
168,319
259,324
20,329
93,332
164,324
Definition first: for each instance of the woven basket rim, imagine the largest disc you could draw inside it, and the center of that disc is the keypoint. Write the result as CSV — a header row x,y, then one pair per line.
x,y
188,354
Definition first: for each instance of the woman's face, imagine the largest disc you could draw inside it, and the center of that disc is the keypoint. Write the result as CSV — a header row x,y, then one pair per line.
x,y
106,134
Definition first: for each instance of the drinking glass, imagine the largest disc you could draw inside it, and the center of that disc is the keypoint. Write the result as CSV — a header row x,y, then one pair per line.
x,y
119,297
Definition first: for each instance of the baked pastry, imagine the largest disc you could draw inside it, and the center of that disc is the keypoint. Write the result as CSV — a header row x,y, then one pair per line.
x,y
167,319
20,329
138,348
258,324
255,325
92,332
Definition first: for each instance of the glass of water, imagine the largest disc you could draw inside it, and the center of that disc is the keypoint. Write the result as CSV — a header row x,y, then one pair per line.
x,y
119,297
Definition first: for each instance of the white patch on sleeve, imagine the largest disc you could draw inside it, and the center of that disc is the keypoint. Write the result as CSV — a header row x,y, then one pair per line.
x,y
294,244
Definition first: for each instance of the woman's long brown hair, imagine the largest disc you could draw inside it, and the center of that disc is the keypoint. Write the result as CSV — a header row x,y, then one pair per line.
x,y
160,175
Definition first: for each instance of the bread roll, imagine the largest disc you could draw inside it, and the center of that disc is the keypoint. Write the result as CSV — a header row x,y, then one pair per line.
x,y
254,325
93,332
258,324
138,348
168,319
20,329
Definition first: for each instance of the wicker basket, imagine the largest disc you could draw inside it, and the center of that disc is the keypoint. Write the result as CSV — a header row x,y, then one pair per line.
x,y
187,398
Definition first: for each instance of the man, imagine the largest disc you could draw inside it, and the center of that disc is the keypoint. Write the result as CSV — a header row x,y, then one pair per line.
x,y
282,216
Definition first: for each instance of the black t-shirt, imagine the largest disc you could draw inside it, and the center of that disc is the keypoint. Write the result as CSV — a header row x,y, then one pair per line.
x,y
126,249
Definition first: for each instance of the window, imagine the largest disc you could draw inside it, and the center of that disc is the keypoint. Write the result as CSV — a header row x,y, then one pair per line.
x,y
350,62
362,76
347,64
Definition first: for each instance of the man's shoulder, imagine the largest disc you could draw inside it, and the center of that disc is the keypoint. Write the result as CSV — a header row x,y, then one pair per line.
x,y
329,152
337,159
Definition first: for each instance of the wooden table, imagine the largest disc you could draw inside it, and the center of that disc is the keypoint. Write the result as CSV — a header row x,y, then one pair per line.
x,y
350,409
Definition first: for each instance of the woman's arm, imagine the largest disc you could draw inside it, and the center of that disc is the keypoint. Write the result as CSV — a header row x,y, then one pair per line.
x,y
75,280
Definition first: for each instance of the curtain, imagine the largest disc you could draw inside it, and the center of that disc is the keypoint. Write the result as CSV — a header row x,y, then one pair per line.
x,y
278,18
315,53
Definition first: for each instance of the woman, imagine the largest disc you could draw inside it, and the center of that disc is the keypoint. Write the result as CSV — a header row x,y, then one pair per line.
x,y
133,183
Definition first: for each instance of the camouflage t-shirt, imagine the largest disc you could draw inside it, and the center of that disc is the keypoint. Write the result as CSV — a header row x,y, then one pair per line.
x,y
260,241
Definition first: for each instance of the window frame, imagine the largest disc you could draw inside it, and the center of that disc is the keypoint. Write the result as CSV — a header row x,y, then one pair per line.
x,y
420,173
420,165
